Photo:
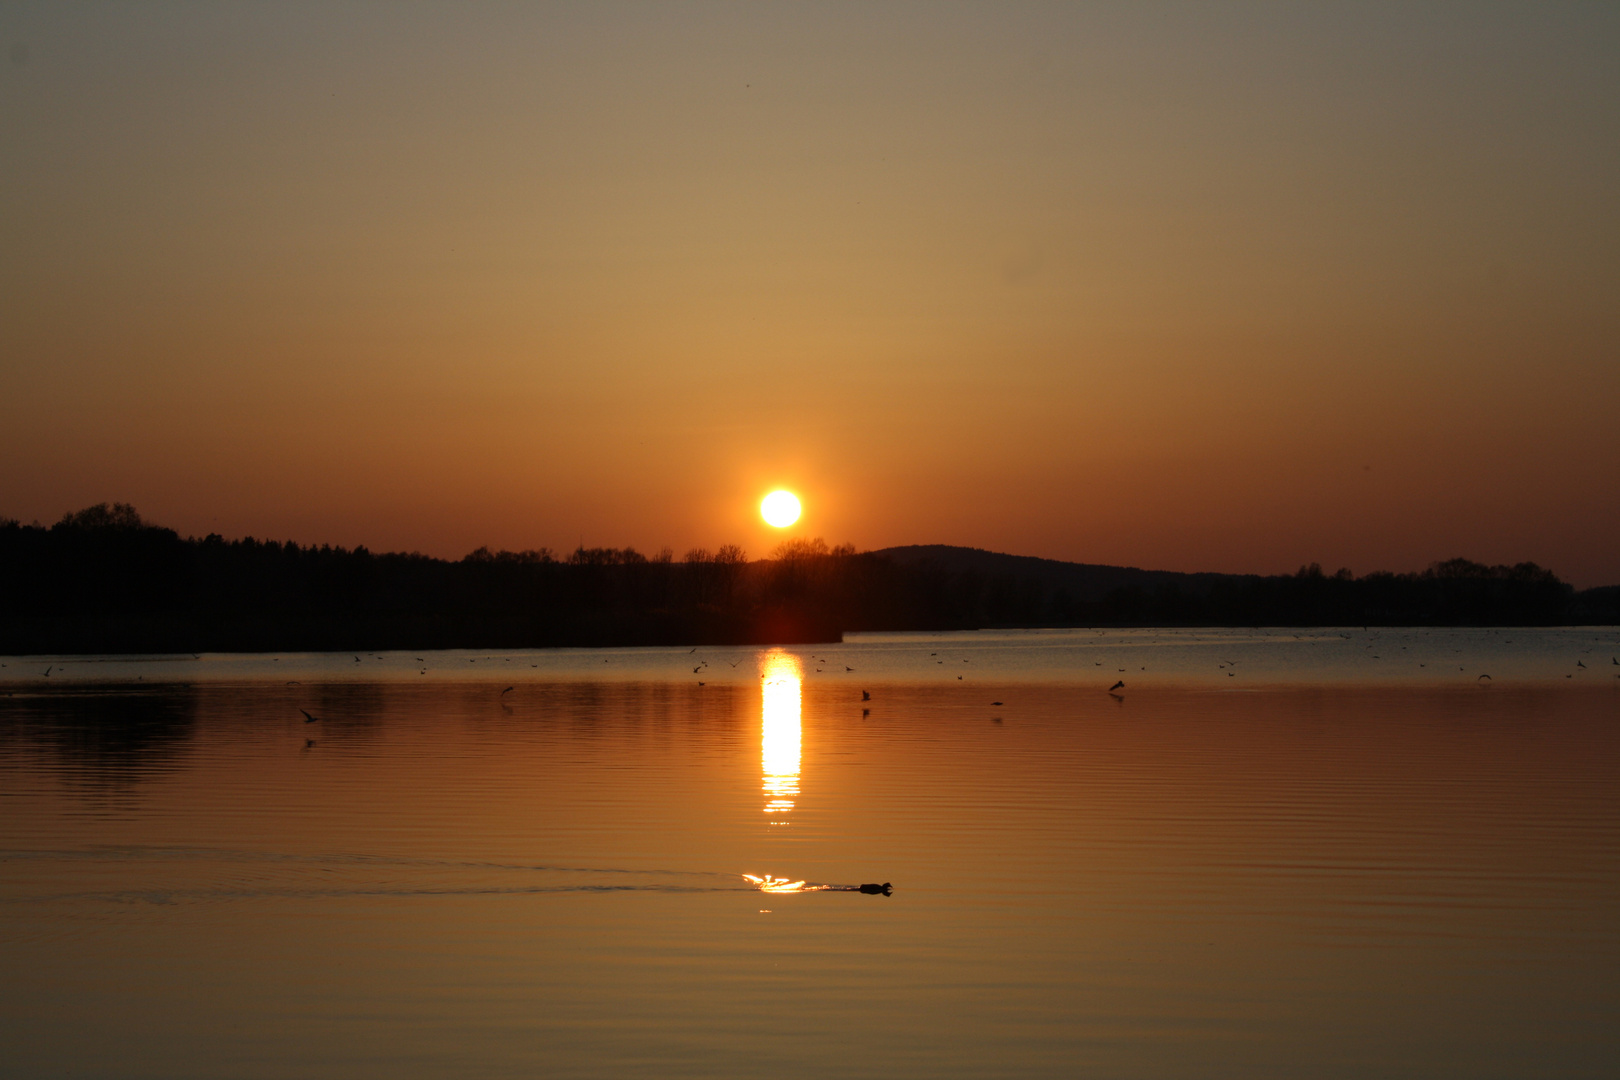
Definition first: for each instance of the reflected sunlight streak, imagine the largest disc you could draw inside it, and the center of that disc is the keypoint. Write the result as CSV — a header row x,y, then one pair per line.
x,y
780,734
781,885
771,884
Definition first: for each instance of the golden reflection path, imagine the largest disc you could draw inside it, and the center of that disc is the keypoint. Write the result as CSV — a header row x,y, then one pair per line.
x,y
781,885
779,733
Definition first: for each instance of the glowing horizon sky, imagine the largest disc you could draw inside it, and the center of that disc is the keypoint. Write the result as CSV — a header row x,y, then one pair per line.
x,y
1172,286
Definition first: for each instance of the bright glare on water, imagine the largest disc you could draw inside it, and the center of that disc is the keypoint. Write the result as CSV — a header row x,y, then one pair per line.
x,y
1343,854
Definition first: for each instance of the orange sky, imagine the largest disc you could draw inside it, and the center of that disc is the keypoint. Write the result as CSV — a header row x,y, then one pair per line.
x,y
1162,286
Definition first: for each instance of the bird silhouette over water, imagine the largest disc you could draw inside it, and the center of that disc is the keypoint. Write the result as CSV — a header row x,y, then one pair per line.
x,y
508,690
1117,686
865,696
309,718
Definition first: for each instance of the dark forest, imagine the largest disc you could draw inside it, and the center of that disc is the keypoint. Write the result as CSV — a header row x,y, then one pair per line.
x,y
103,580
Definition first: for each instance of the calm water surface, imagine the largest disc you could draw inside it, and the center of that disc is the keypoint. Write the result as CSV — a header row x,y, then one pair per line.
x,y
1342,854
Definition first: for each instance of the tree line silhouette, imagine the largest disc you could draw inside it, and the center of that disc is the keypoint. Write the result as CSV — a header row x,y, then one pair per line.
x,y
104,580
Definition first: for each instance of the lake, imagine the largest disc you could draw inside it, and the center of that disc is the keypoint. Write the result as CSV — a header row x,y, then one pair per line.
x,y
1325,853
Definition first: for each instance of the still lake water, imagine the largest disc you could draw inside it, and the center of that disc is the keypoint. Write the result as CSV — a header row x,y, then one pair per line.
x,y
1324,854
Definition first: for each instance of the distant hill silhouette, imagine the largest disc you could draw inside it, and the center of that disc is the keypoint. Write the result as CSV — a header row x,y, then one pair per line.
x,y
1084,582
105,581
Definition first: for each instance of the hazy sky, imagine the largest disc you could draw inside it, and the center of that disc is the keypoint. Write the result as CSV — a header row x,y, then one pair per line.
x,y
1224,287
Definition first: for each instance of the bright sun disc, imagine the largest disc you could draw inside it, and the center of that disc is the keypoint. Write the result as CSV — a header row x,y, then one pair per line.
x,y
780,508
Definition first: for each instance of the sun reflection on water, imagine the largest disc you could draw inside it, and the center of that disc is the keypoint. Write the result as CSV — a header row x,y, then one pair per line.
x,y
779,733
776,884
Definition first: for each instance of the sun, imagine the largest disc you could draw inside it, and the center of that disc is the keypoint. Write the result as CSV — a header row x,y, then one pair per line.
x,y
780,508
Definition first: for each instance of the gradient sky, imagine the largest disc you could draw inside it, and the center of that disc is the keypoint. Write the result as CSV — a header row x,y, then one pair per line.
x,y
1170,286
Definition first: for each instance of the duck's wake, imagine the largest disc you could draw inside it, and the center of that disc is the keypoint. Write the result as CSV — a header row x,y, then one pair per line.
x,y
783,885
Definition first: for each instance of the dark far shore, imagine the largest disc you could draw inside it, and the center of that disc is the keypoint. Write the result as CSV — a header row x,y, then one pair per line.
x,y
103,580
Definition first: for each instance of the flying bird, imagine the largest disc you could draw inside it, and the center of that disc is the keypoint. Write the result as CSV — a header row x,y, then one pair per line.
x,y
995,703
848,668
508,690
308,717
865,696
1116,686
